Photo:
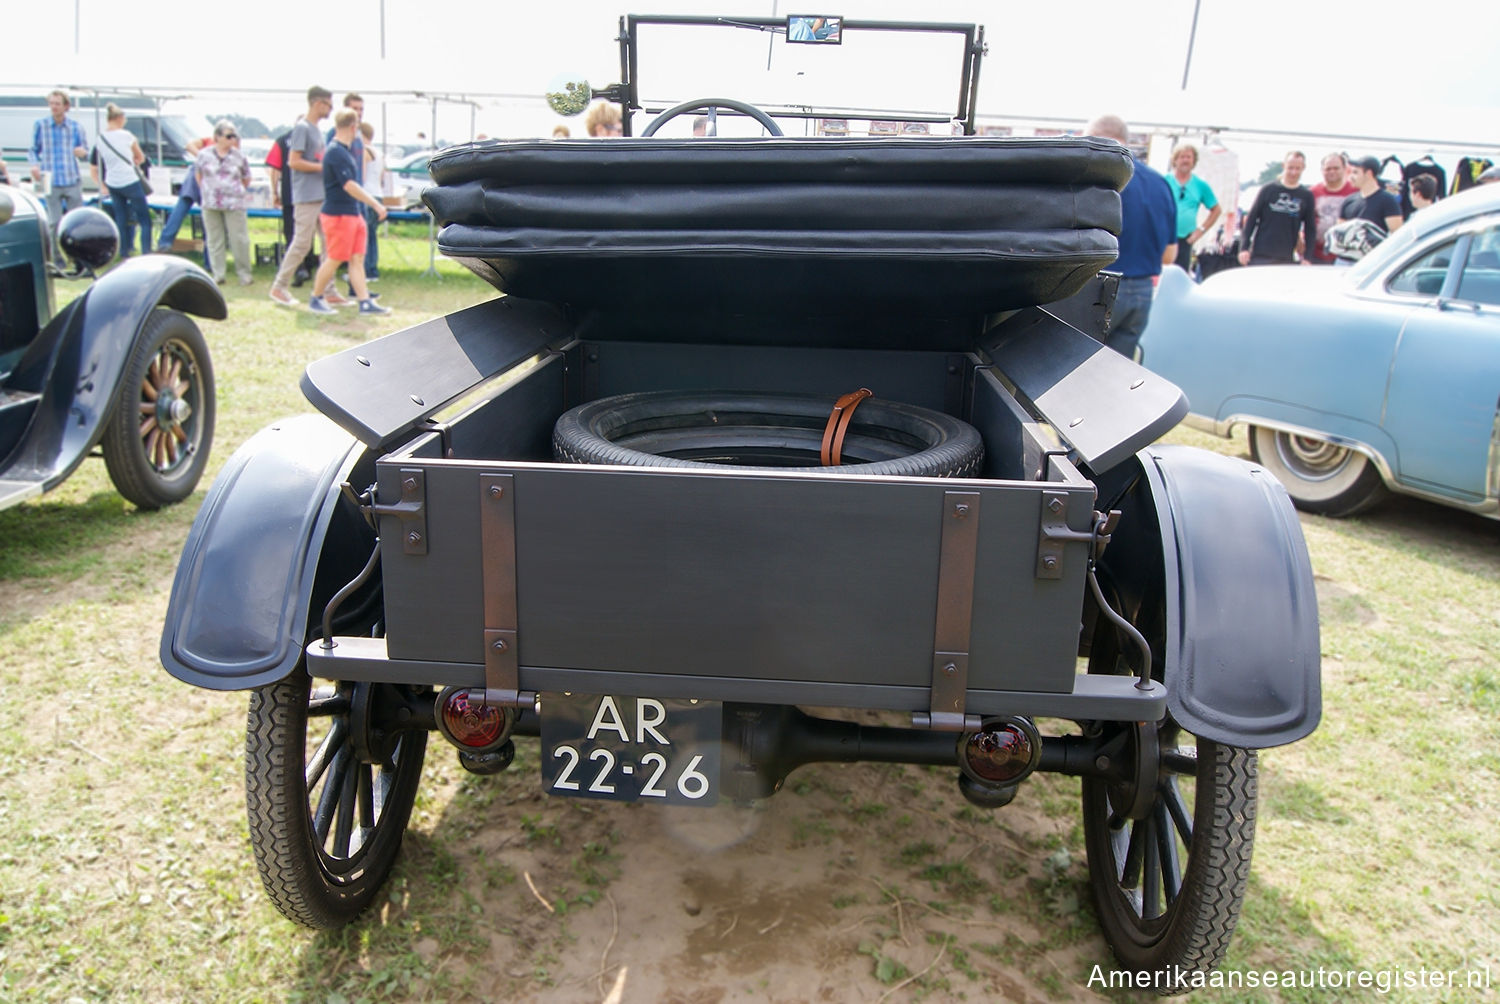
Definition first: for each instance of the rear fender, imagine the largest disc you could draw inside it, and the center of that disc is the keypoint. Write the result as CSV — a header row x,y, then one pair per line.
x,y
1210,562
77,360
274,539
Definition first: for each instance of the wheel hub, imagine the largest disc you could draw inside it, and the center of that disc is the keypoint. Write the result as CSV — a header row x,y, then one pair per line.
x,y
1311,458
378,715
1138,768
165,409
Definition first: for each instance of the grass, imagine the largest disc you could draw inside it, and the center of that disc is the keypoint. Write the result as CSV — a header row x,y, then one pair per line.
x,y
125,872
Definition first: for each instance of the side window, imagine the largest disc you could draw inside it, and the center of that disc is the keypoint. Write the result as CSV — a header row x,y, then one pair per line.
x,y
144,131
1480,281
1424,275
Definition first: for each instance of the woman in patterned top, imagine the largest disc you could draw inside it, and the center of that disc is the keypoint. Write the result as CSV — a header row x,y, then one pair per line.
x,y
224,181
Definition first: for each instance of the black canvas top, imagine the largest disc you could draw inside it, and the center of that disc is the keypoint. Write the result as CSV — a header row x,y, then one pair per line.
x,y
959,224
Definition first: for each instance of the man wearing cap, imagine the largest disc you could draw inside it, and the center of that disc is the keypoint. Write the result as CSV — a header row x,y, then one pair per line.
x,y
1372,202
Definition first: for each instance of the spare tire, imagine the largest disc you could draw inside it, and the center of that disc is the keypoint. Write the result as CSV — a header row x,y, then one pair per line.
x,y
749,430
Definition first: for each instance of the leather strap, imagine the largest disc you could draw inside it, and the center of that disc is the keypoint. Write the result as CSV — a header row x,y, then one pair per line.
x,y
838,425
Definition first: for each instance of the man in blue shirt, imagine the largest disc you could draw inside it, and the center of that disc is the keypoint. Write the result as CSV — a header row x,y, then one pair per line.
x,y
1148,230
57,145
372,245
343,221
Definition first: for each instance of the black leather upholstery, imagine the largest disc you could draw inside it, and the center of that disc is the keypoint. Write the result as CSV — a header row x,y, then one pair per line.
x,y
953,225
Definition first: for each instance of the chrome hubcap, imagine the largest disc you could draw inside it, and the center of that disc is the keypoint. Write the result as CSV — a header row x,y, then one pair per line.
x,y
1313,459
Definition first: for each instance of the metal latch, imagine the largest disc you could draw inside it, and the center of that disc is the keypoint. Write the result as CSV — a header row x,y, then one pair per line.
x,y
411,510
1055,532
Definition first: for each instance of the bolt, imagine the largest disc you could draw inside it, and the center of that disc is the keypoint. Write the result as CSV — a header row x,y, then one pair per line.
x,y
418,400
1137,385
362,360
1056,505
409,484
950,669
499,645
1075,423
496,491
1049,562
414,538
1102,762
961,510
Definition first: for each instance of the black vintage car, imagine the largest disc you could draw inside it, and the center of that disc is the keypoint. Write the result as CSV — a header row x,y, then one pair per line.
x,y
762,423
122,367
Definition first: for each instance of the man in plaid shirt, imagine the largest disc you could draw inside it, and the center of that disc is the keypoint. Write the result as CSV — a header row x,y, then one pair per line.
x,y
57,145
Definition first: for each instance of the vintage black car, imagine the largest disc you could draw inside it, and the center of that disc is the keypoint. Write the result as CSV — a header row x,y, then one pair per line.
x,y
122,367
669,510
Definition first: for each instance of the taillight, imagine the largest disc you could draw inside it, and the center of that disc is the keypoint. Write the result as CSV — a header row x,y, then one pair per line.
x,y
470,723
1002,752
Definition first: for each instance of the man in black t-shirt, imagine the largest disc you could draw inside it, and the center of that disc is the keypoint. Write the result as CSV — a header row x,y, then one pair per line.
x,y
1282,222
1372,202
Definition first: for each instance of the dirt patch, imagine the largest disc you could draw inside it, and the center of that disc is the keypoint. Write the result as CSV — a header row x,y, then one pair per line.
x,y
854,882
1342,604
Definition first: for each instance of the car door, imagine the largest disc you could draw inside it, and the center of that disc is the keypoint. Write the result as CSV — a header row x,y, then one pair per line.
x,y
1443,396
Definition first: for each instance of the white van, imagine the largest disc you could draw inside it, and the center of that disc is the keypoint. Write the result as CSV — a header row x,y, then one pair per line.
x,y
163,137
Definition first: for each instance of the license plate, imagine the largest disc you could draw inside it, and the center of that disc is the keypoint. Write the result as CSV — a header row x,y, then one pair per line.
x,y
628,749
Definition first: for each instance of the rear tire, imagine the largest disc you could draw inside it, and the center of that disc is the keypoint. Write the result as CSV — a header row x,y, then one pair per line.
x,y
325,829
1168,875
1319,476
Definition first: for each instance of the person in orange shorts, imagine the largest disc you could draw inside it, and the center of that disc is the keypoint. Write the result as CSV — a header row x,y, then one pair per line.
x,y
344,230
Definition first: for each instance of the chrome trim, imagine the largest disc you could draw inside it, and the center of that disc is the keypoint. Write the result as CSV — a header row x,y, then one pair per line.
x,y
1488,506
1204,424
1492,475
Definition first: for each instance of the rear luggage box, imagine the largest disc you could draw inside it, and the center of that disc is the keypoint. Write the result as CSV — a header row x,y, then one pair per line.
x,y
781,266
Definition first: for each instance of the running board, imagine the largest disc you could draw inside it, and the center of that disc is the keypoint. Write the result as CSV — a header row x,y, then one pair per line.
x,y
15,492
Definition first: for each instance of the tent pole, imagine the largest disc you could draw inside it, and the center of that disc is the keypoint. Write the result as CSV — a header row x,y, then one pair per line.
x,y
432,221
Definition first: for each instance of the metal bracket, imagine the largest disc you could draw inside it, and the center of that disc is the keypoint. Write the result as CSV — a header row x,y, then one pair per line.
x,y
1055,532
955,611
497,555
411,510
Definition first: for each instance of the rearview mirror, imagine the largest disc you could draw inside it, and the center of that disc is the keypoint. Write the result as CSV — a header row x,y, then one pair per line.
x,y
568,94
818,29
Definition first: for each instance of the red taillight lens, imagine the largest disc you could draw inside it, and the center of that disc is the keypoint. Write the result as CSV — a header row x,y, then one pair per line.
x,y
1000,755
469,721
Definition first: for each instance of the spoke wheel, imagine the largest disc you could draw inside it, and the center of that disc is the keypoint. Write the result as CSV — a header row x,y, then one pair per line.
x,y
1169,839
157,441
329,784
1320,476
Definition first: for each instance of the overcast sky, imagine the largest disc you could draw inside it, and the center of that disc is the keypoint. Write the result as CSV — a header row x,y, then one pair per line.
x,y
1373,68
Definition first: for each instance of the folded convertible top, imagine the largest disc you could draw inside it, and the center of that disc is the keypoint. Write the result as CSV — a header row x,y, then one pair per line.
x,y
959,224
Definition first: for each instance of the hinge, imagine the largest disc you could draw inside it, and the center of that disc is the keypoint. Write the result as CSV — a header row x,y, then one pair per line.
x,y
497,548
959,544
411,510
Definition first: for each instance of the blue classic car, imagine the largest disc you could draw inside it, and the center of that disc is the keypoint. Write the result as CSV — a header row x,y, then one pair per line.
x,y
1354,381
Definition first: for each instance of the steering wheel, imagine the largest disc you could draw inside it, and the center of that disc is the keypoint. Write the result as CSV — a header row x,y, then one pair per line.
x,y
698,104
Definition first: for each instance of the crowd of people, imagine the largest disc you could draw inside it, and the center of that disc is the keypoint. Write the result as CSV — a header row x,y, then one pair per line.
x,y
325,195
326,185
1334,222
